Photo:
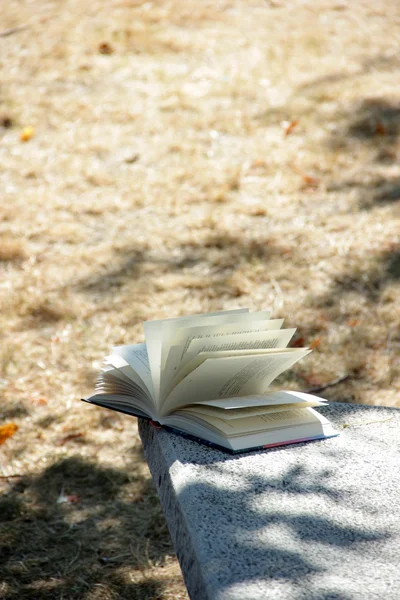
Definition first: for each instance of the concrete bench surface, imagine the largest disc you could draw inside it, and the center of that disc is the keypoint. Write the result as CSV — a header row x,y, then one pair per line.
x,y
312,521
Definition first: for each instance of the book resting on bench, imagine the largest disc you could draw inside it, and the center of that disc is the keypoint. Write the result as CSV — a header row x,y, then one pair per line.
x,y
207,376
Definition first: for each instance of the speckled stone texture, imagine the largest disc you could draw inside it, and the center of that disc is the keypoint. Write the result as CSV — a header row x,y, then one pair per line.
x,y
313,521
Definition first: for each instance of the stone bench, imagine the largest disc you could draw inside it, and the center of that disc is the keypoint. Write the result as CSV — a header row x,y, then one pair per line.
x,y
313,521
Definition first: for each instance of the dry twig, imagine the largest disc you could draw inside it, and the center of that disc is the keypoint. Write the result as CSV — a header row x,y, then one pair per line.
x,y
12,30
320,388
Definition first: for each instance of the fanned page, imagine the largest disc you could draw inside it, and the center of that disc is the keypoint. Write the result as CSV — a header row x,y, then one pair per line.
x,y
235,323
245,341
158,334
176,355
234,344
246,323
125,381
115,389
218,378
134,356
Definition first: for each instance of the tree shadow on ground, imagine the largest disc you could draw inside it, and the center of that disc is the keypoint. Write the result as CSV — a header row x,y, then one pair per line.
x,y
14,411
373,123
351,294
79,530
220,252
320,89
375,118
375,193
368,282
380,62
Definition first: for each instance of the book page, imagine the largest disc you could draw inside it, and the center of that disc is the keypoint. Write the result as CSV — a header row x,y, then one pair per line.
x,y
120,380
125,372
288,419
246,323
212,322
134,355
269,399
266,422
197,360
119,364
172,358
240,413
242,341
118,374
218,378
159,332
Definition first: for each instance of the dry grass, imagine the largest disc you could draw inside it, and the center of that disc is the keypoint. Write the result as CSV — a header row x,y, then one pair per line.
x,y
167,175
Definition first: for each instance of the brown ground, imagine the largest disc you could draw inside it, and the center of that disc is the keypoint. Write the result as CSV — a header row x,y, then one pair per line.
x,y
186,156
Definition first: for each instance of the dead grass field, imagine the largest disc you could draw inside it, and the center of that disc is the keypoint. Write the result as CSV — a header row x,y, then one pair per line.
x,y
186,156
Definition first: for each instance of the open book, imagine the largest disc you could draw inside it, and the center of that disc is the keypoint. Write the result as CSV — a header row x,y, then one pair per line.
x,y
207,376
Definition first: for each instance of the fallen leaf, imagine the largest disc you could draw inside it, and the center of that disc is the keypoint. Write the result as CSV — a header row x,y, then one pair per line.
x,y
310,181
315,343
298,343
352,322
105,48
39,401
6,122
259,162
132,159
6,431
26,134
380,128
69,438
257,211
73,498
289,126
